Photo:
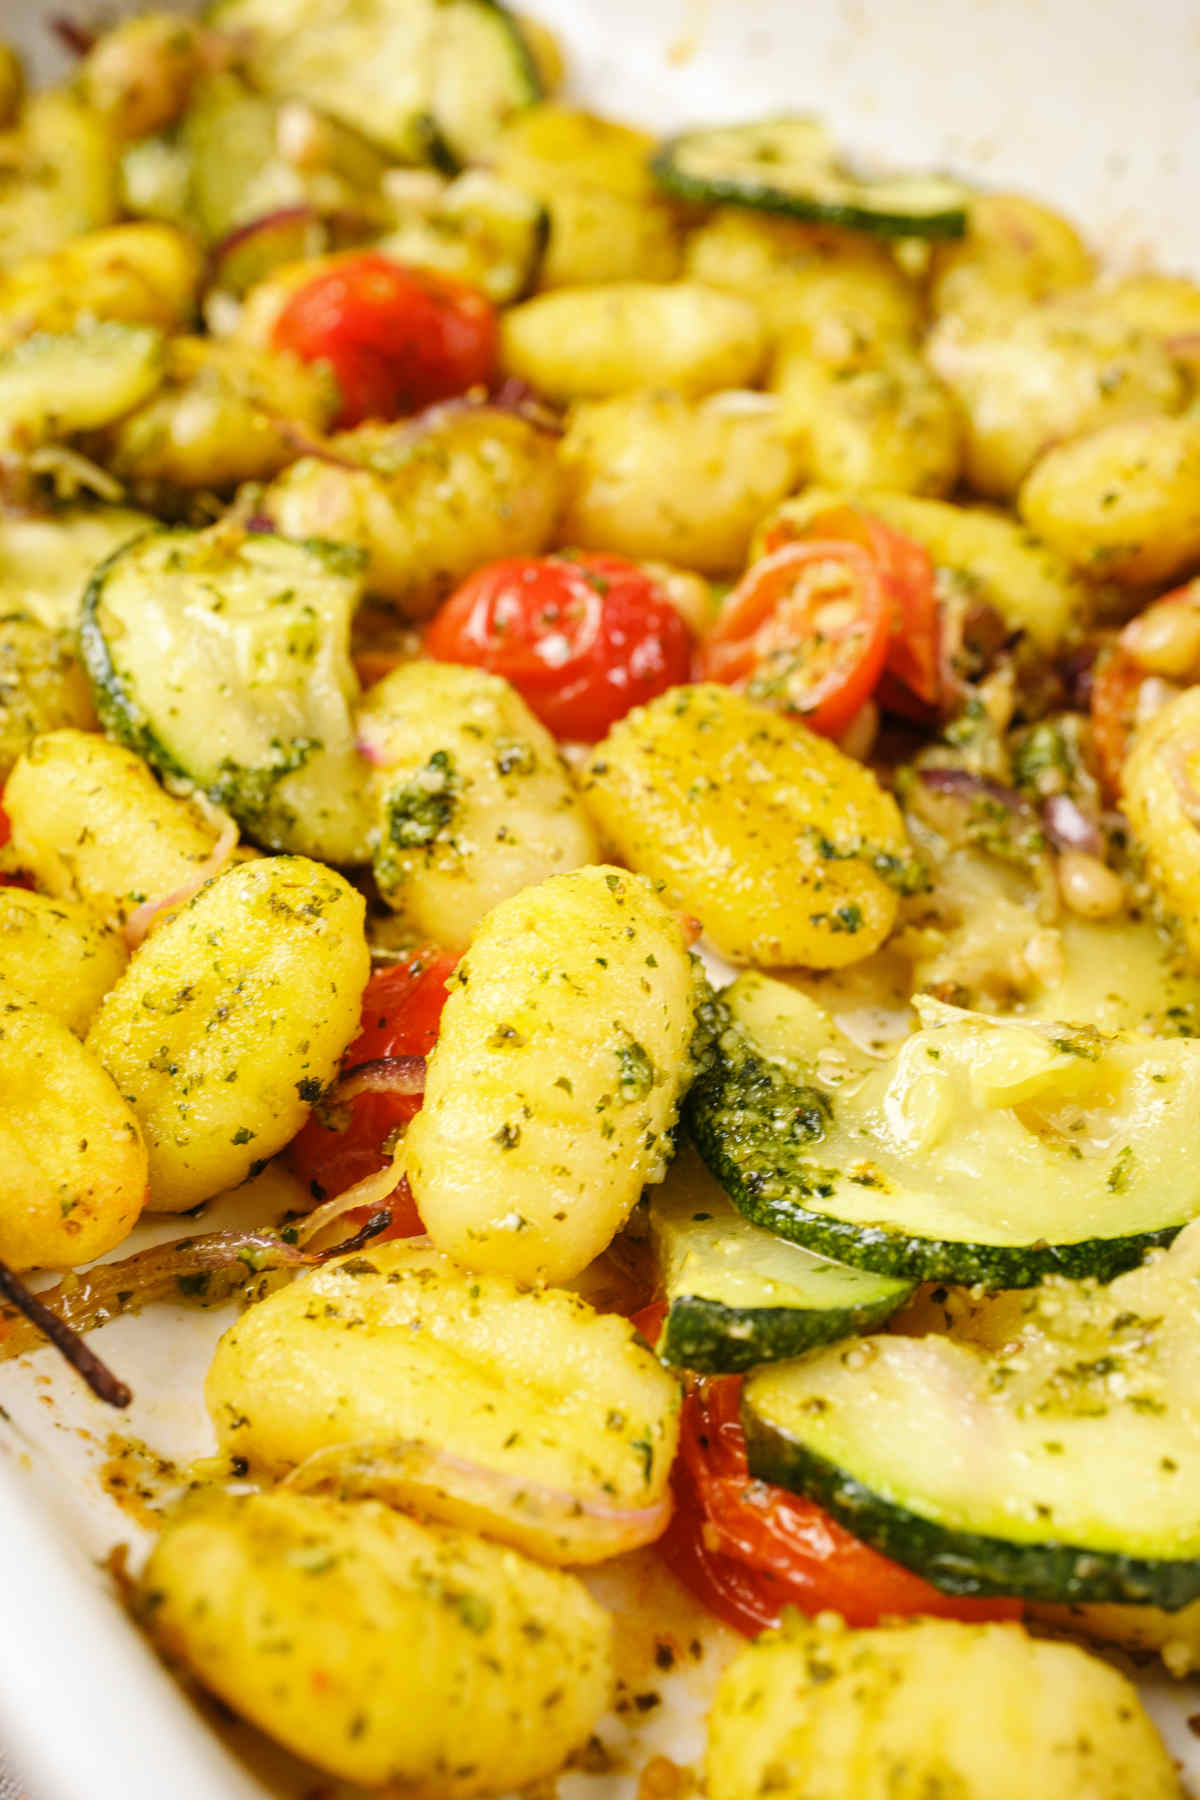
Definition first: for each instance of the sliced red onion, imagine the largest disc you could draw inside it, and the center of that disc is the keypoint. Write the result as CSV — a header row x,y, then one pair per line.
x,y
1078,671
553,1525
1068,827
385,1075
46,1324
139,922
371,1192
72,34
208,1268
964,786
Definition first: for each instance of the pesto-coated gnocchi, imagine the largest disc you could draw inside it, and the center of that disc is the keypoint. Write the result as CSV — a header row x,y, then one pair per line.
x,y
836,289
1015,253
1122,503
1158,788
554,1084
588,343
58,953
474,803
72,1157
386,1652
656,475
428,502
514,1411
1044,375
141,274
90,822
874,419
231,1019
42,687
817,1712
786,850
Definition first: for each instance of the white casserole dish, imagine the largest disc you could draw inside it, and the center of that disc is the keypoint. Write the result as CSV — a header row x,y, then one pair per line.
x,y
1091,107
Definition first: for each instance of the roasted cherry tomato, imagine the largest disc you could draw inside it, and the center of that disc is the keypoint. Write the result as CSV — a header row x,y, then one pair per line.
x,y
911,667
1116,683
401,1013
807,628
581,637
396,338
747,1549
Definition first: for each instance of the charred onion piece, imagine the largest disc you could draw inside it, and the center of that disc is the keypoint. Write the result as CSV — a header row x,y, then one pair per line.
x,y
1069,828
961,784
385,1075
184,1267
66,1340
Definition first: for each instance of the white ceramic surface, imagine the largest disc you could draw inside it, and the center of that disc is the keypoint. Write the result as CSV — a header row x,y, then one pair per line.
x,y
1087,103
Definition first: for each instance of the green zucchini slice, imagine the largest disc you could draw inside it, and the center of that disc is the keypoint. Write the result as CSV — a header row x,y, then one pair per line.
x,y
426,80
983,1150
56,383
738,1296
788,165
480,229
1050,1449
223,659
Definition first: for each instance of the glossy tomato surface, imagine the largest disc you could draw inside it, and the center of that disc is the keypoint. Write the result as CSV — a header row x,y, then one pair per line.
x,y
396,338
582,637
747,1548
401,1013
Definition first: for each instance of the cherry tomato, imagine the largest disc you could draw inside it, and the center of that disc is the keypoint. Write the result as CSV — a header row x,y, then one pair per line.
x,y
401,1012
809,626
747,1549
582,637
909,578
1116,683
396,338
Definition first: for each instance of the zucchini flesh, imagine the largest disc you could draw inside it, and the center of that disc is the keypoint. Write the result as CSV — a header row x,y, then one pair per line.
x,y
738,1296
55,383
223,659
481,230
426,80
788,165
1050,1450
985,1150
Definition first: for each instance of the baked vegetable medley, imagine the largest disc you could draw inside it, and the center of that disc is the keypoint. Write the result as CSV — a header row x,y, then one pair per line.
x,y
625,713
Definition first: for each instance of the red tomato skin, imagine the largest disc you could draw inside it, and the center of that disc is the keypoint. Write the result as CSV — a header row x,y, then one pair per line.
x,y
397,339
747,1548
764,614
909,578
401,1013
582,638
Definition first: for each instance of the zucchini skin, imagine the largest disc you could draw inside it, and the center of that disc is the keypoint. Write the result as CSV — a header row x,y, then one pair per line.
x,y
710,190
964,1562
757,1129
119,718
710,1338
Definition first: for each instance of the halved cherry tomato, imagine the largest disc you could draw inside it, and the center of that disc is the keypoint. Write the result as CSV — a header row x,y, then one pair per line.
x,y
396,338
809,626
1116,683
582,637
401,1013
747,1549
909,579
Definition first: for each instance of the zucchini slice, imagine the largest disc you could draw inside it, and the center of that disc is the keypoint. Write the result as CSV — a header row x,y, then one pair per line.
x,y
56,383
1051,1449
223,659
984,1150
426,80
788,165
738,1296
480,229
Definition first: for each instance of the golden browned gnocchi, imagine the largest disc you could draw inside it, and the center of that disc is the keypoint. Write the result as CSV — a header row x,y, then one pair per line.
x,y
588,343
90,822
514,1411
1122,503
878,418
474,803
59,953
71,1152
1016,252
836,289
555,1082
1032,379
141,274
386,1652
817,1712
42,687
783,847
231,1019
429,501
656,475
